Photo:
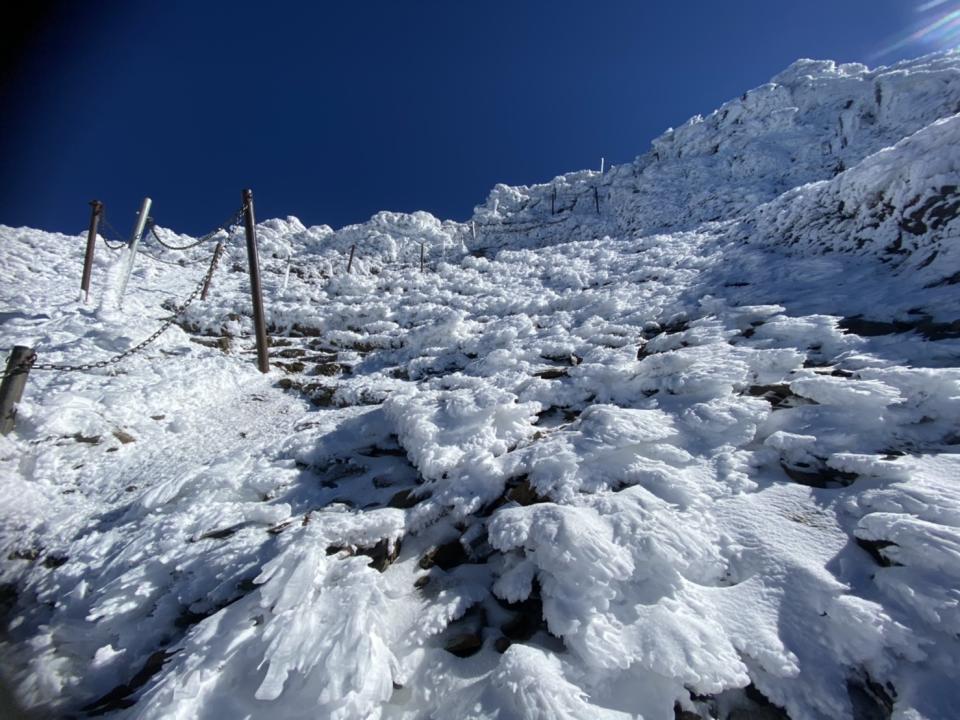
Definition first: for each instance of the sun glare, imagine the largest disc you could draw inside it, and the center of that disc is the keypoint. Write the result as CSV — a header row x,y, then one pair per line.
x,y
938,28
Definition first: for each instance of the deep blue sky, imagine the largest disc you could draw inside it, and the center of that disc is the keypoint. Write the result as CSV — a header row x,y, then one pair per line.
x,y
332,111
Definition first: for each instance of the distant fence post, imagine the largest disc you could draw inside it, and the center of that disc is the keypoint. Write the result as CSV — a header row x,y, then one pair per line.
x,y
256,291
91,246
217,252
350,261
596,198
421,257
553,201
134,243
11,389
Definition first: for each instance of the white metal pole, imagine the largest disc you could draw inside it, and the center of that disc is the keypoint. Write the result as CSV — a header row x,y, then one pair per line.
x,y
601,165
132,248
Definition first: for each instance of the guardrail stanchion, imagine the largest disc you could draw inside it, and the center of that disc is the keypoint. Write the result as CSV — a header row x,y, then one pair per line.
x,y
91,246
256,292
134,244
350,261
421,257
11,389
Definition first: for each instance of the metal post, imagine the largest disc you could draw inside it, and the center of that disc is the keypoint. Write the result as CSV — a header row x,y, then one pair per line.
x,y
421,257
256,292
134,243
596,198
473,228
11,389
213,266
601,165
350,261
91,246
553,201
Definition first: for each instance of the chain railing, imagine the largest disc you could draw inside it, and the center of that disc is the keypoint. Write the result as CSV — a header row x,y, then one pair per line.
x,y
234,219
132,350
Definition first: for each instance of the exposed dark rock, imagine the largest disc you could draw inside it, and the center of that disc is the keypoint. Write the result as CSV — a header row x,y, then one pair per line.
x,y
221,343
119,698
28,554
924,326
124,437
870,699
523,493
822,477
552,373
54,560
875,549
405,499
464,645
382,554
328,369
445,557
293,367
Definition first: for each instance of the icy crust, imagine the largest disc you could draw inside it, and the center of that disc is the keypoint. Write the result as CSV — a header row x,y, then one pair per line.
x,y
708,472
809,123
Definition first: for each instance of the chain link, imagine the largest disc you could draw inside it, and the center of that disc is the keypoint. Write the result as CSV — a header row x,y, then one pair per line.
x,y
136,348
225,225
121,243
23,366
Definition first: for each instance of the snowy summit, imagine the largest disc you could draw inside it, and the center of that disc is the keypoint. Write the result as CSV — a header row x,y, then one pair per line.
x,y
677,440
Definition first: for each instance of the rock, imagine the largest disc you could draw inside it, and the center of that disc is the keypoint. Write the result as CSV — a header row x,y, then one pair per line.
x,y
421,582
523,494
552,373
445,557
124,437
405,499
328,369
875,549
383,554
464,645
54,560
502,644
824,477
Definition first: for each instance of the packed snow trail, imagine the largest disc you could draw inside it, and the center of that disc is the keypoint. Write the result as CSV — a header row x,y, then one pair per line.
x,y
578,469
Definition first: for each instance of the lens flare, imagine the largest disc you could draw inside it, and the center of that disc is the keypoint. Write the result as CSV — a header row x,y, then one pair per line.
x,y
938,29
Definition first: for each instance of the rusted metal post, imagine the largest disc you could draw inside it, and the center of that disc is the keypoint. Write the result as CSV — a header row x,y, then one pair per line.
x,y
11,389
213,266
256,291
553,201
91,246
421,257
596,198
350,261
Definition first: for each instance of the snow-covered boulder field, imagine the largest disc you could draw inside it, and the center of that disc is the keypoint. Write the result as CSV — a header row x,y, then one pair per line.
x,y
675,441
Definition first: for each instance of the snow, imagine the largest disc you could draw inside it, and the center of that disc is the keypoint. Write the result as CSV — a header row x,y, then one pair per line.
x,y
695,452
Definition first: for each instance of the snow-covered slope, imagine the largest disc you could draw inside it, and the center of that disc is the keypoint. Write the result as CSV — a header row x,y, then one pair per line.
x,y
693,456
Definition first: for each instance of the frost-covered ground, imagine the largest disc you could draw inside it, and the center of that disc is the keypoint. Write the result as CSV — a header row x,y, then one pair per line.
x,y
691,456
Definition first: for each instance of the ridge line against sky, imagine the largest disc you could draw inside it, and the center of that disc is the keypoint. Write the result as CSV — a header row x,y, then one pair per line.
x,y
332,114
